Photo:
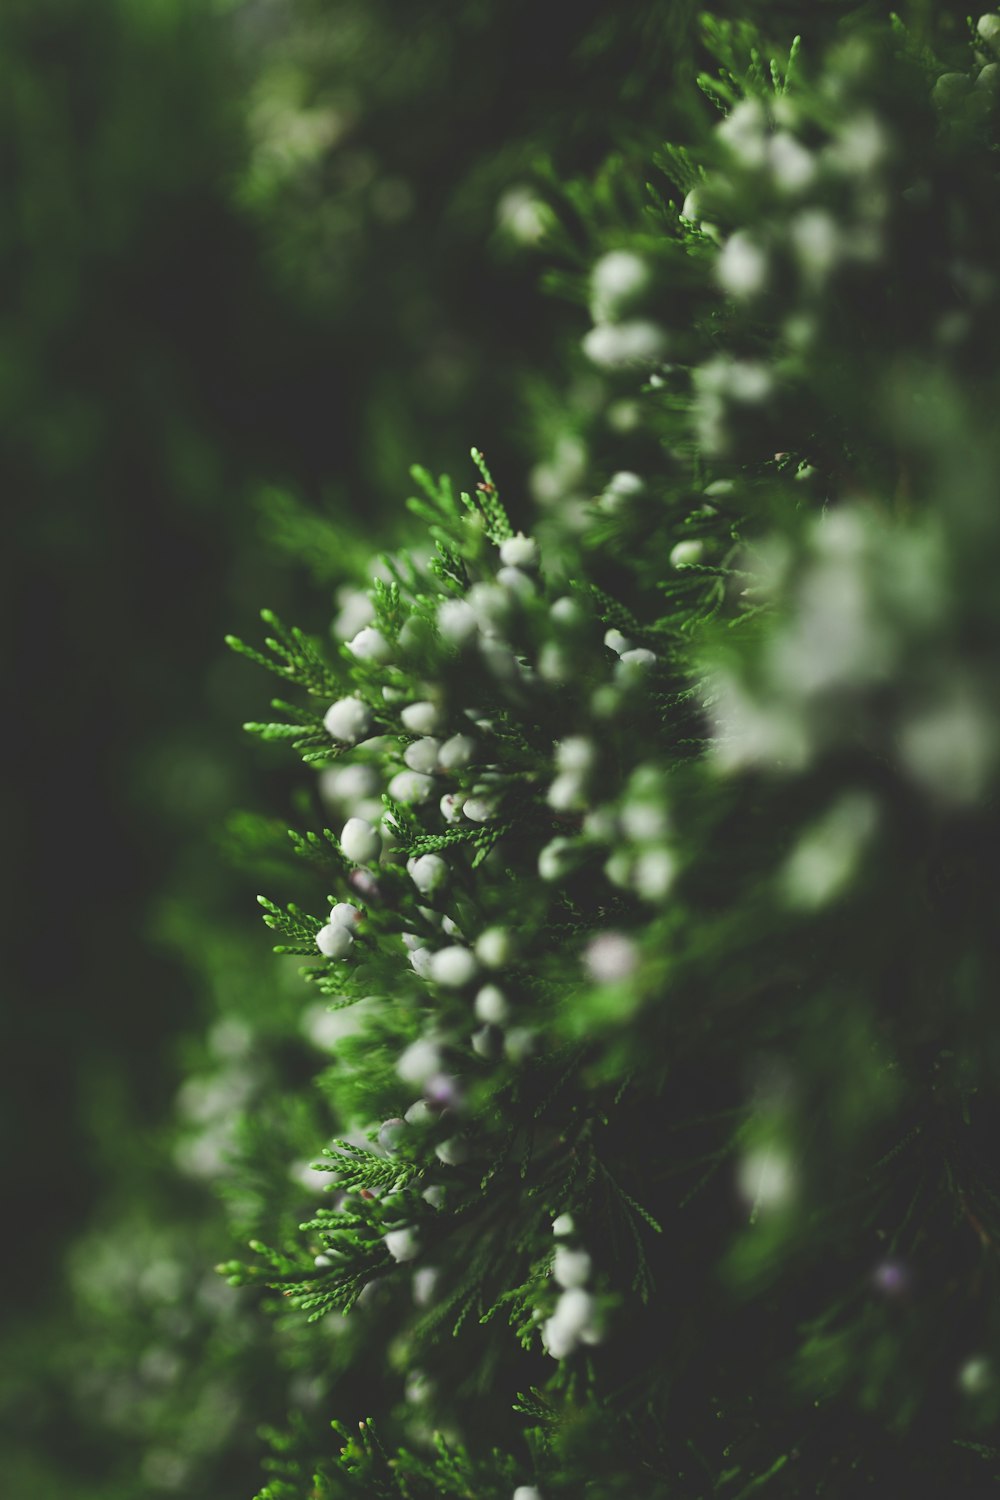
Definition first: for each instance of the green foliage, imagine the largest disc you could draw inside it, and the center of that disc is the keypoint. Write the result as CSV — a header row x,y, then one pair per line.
x,y
657,1079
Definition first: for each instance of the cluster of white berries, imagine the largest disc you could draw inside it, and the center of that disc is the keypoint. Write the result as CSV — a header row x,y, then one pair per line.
x,y
621,281
575,1320
336,938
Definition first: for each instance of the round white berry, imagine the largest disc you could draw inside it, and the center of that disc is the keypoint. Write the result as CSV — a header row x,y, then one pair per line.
x,y
344,914
491,604
566,792
571,1267
456,621
370,645
428,873
348,720
741,269
420,1061
420,961
390,1135
421,718
494,947
491,1005
610,957
356,611
425,1279
527,1492
616,642
451,806
654,873
334,941
451,1152
454,966
617,346
410,786
566,611
576,753
422,755
618,280
402,1244
555,859
479,809
519,551
360,842
686,552
349,784
456,752
563,1225
988,28
516,581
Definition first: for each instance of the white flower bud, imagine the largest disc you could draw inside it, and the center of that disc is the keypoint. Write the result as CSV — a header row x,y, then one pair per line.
x,y
527,1492
420,1061
370,645
491,1005
428,873
563,1225
450,928
687,552
334,941
422,755
321,1261
494,947
454,966
348,720
456,621
479,809
410,786
421,718
402,1244
419,1113
360,842
610,958
434,1195
344,914
456,752
571,1267
616,642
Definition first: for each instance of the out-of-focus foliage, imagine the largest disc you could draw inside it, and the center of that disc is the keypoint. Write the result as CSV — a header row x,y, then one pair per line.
x,y
277,252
